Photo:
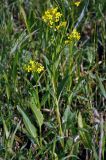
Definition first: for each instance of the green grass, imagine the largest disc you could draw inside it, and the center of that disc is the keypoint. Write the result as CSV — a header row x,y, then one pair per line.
x,y
58,114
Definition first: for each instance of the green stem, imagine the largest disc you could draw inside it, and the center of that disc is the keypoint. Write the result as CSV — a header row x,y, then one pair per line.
x,y
57,113
40,138
59,123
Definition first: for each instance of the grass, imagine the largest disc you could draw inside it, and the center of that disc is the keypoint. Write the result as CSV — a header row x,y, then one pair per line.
x,y
58,114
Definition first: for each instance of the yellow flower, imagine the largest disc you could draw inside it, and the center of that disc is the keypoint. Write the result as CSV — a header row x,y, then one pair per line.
x,y
67,41
38,67
74,36
77,3
27,68
62,24
31,62
34,67
51,16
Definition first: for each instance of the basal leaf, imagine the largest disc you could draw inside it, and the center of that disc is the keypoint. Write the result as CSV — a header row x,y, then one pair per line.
x,y
28,124
103,91
37,113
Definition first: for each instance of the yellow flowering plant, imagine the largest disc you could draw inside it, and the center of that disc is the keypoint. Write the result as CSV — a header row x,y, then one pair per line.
x,y
52,17
33,66
61,25
77,3
73,36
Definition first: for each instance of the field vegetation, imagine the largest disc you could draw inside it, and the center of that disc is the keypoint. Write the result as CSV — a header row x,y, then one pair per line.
x,y
52,79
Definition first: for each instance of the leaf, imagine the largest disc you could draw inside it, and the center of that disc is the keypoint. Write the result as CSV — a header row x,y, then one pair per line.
x,y
66,114
6,129
46,60
80,122
23,14
84,132
35,96
8,92
55,156
14,133
62,85
38,115
7,86
14,70
69,120
103,91
69,144
28,124
45,98
95,153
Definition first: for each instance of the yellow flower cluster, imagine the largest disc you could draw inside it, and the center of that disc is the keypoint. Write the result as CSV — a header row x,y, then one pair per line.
x,y
62,24
34,67
74,36
77,3
52,18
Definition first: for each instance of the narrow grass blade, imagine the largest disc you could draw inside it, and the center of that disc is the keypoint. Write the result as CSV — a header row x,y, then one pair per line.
x,y
6,129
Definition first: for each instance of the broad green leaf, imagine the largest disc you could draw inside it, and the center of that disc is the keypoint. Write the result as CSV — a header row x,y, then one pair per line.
x,y
69,120
37,113
66,114
45,98
84,132
35,96
103,90
28,124
46,60
80,122
69,144
62,85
